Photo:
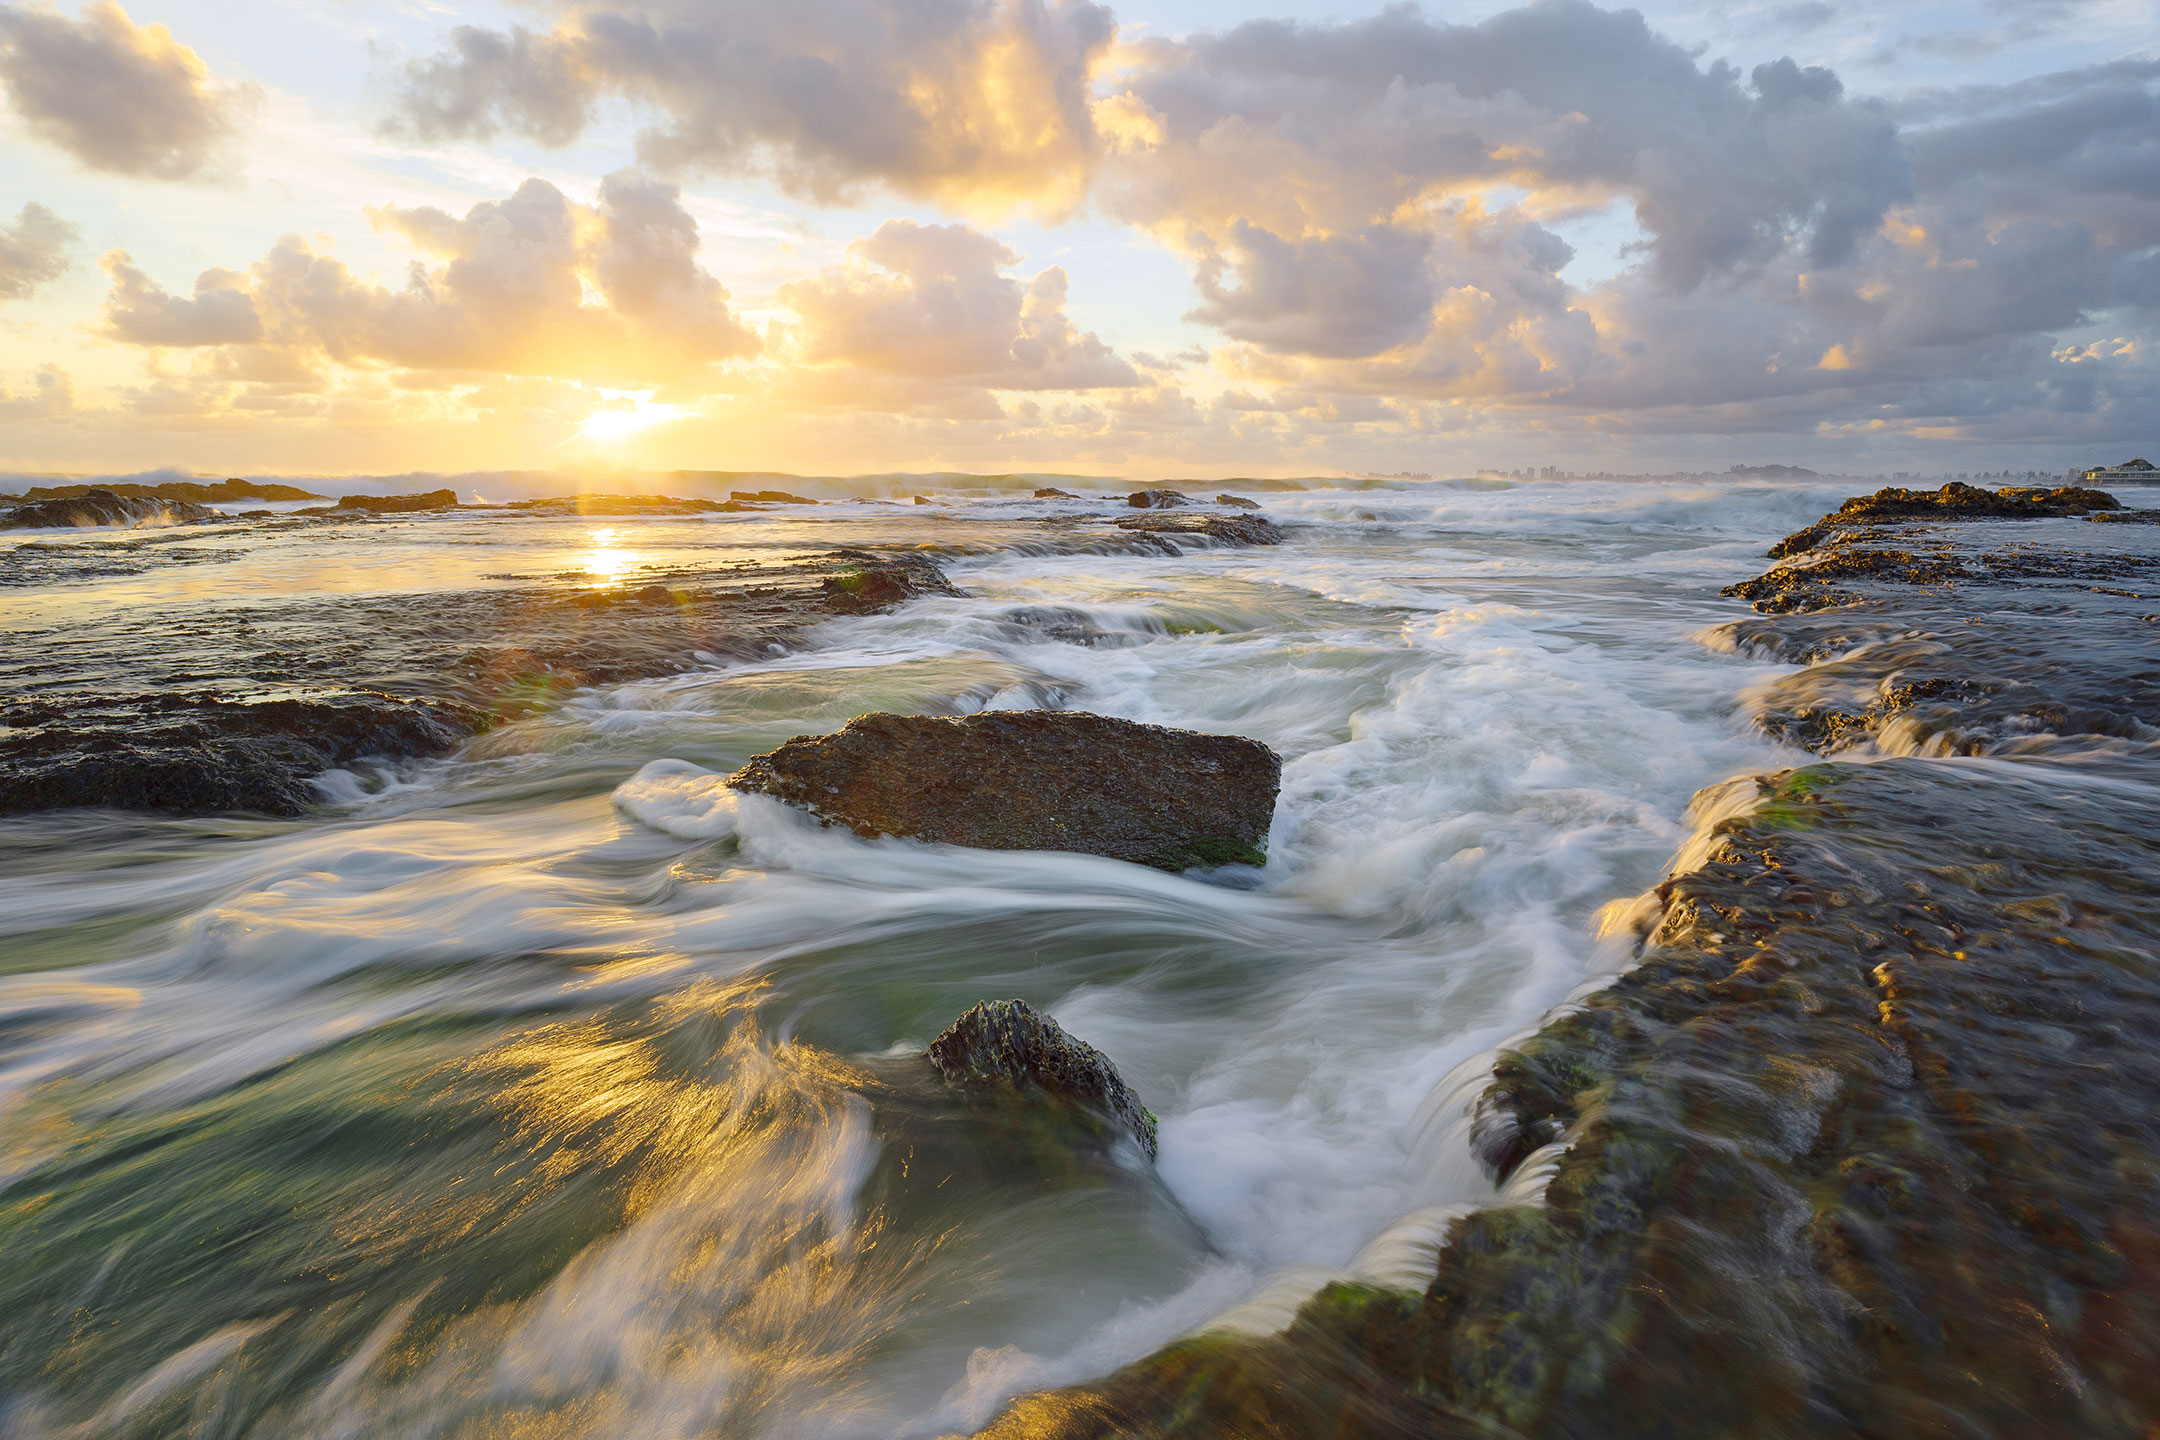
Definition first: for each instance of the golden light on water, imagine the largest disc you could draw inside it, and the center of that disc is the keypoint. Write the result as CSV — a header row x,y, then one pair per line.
x,y
606,563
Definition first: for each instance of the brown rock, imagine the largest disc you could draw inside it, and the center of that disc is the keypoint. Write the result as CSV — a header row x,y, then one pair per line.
x,y
1035,780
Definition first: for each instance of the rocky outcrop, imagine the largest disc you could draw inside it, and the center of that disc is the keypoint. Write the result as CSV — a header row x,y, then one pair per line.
x,y
1035,780
398,504
1051,492
200,492
99,506
1954,501
1008,1042
1227,529
204,754
1156,499
563,506
867,583
1237,502
390,676
767,497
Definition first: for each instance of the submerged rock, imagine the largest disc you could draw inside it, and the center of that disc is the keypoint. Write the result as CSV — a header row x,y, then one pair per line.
x,y
1008,1041
105,507
1156,499
1035,780
399,504
1954,501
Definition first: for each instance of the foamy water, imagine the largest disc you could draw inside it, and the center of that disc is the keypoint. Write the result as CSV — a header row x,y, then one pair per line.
x,y
556,1085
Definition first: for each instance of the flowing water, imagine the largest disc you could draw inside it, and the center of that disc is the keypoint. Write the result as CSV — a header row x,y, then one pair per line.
x,y
550,1089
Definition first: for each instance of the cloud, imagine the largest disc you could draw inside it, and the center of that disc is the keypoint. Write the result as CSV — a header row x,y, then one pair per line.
x,y
1354,294
53,397
930,303
1324,130
118,97
510,295
35,251
1375,209
139,312
979,104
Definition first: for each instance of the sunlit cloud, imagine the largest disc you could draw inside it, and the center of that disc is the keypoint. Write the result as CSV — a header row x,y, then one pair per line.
x,y
624,413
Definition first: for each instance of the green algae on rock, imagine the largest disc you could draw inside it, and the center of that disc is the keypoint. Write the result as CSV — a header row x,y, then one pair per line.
x,y
1864,1145
1035,780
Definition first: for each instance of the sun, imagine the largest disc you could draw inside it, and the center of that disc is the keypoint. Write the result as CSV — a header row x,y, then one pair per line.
x,y
626,412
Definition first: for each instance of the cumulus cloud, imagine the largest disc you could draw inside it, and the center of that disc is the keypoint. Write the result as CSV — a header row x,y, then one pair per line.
x,y
34,251
931,302
1370,210
508,295
976,103
117,96
51,397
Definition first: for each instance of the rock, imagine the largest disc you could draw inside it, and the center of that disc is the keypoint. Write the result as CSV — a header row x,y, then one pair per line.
x,y
177,490
105,507
767,497
1786,589
1035,780
1156,499
1237,502
78,727
398,504
874,582
1008,1041
554,506
1051,492
1229,529
1955,501
199,755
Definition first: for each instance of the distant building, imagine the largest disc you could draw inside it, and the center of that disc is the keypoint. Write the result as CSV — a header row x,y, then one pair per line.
x,y
2130,472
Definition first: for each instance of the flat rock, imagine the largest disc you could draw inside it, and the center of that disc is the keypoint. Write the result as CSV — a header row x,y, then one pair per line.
x,y
399,504
105,507
1010,1042
1954,501
1229,529
1035,780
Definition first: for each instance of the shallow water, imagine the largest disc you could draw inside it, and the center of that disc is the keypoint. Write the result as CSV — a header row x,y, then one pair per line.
x,y
538,1090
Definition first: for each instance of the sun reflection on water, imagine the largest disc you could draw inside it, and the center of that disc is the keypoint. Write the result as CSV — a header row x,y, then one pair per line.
x,y
606,563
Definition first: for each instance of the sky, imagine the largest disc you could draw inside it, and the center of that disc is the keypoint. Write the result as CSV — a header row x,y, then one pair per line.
x,y
1175,237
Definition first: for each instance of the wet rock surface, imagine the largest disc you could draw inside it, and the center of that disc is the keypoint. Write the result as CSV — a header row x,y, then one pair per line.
x,y
166,712
1010,1043
1035,780
204,754
399,504
1225,529
1157,499
99,506
1954,501
201,492
1865,1144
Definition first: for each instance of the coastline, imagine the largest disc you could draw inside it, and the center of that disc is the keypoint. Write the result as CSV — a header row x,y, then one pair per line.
x,y
1857,1147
